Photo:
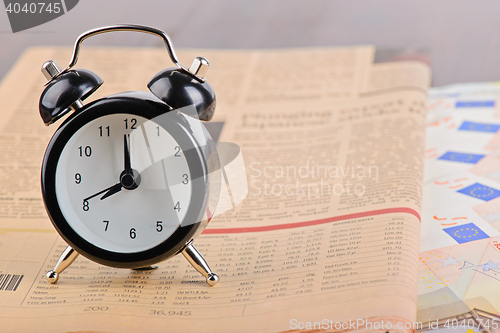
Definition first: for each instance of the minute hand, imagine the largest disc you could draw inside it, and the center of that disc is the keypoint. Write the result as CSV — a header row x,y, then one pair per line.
x,y
126,153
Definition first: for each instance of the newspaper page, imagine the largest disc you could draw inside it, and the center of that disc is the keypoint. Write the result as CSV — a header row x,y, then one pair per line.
x,y
327,238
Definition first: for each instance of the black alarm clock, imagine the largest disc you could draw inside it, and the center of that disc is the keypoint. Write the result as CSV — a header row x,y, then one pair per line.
x,y
130,180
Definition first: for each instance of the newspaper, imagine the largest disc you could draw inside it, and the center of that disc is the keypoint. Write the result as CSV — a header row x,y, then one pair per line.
x,y
327,238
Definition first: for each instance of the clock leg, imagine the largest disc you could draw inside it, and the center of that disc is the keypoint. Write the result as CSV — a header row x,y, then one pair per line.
x,y
67,257
145,268
196,259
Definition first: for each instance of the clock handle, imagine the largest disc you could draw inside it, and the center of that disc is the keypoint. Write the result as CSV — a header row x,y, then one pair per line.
x,y
196,259
127,27
67,257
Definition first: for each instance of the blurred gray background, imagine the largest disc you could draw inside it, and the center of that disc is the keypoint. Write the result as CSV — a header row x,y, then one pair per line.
x,y
459,38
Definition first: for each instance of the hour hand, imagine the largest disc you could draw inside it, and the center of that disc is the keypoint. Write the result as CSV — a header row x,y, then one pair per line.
x,y
109,191
113,190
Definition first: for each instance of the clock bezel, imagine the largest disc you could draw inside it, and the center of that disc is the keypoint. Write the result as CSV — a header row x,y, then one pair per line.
x,y
145,105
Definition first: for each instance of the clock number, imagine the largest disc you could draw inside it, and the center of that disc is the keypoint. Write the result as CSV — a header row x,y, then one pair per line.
x,y
159,227
78,178
132,233
87,151
158,130
85,205
177,151
107,223
100,130
133,123
178,206
186,179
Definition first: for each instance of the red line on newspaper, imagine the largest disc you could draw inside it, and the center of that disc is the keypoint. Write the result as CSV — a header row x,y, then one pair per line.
x,y
310,223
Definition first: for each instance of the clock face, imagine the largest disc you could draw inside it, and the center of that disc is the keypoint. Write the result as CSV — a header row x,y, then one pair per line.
x,y
114,209
125,181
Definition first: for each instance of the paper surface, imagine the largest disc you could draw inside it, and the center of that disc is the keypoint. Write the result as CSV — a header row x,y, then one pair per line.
x,y
298,250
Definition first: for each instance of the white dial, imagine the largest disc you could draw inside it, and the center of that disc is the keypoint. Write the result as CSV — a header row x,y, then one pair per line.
x,y
117,202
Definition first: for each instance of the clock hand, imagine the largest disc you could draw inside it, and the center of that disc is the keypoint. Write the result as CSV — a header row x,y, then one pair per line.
x,y
109,189
114,189
129,178
126,153
126,177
